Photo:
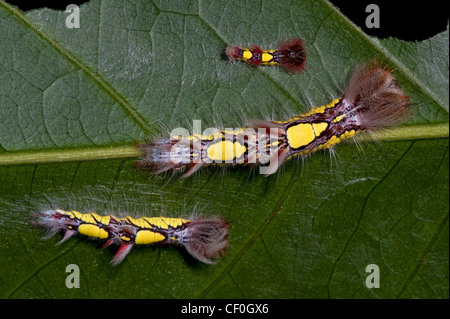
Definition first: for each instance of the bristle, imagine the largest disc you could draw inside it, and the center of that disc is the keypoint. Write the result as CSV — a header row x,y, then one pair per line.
x,y
232,52
377,98
157,157
292,55
51,221
263,124
48,220
206,239
193,167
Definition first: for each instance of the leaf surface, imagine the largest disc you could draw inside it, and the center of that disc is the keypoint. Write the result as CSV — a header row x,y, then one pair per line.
x,y
74,101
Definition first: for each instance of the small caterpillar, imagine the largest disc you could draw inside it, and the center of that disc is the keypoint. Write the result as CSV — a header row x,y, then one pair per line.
x,y
291,55
373,100
206,239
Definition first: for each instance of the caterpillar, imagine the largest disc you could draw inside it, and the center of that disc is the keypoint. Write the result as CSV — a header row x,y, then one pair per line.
x,y
372,100
206,239
291,55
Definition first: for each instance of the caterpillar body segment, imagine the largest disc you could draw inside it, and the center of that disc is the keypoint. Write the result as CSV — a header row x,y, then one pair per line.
x,y
290,55
373,100
204,238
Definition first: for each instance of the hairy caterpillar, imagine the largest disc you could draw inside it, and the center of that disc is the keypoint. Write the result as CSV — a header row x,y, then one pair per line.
x,y
372,100
206,239
290,55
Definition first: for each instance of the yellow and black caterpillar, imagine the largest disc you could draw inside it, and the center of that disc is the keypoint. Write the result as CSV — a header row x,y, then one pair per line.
x,y
206,239
373,100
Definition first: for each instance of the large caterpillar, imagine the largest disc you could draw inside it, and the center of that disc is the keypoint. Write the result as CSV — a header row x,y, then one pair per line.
x,y
373,100
291,55
204,238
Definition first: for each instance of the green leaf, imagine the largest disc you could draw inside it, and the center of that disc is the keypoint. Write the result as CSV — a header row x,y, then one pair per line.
x,y
74,101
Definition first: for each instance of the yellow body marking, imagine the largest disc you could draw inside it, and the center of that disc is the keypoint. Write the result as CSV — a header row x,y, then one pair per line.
x,y
233,132
332,103
247,54
215,135
73,214
335,140
319,128
88,218
225,151
175,222
139,222
157,222
315,110
339,118
92,231
267,57
144,237
105,220
125,238
349,134
300,135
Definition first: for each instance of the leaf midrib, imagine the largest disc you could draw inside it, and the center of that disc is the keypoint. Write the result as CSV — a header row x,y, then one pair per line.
x,y
404,133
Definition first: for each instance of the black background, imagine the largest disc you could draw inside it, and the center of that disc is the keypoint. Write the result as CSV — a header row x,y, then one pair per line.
x,y
405,20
